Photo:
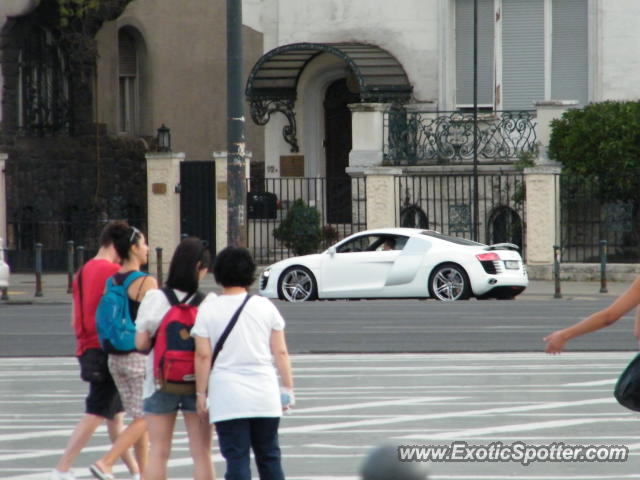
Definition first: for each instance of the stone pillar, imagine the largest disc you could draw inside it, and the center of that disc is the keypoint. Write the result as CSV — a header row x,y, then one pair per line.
x,y
543,217
3,201
221,195
163,206
382,202
367,133
547,111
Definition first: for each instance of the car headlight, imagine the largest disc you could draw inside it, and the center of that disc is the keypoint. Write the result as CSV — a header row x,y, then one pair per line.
x,y
266,273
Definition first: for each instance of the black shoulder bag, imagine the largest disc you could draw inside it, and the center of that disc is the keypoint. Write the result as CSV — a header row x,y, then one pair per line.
x,y
627,390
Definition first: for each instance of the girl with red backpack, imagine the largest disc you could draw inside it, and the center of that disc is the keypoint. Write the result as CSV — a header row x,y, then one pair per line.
x,y
163,325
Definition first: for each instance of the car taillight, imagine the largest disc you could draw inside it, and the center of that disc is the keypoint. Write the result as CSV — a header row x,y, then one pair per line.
x,y
488,257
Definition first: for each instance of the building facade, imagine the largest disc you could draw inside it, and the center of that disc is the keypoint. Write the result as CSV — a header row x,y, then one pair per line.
x,y
528,51
75,132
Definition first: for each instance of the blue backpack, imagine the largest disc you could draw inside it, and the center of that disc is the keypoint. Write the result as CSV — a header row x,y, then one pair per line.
x,y
116,330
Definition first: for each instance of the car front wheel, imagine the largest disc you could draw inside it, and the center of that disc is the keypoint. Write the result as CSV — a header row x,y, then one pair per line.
x,y
297,284
449,282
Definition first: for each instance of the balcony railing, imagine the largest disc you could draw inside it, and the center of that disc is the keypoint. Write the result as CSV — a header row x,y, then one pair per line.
x,y
446,138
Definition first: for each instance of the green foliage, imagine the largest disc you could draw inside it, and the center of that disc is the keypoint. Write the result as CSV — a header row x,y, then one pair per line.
x,y
300,230
78,23
601,143
526,159
72,10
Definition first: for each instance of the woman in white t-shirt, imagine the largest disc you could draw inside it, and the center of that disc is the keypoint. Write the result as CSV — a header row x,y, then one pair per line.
x,y
189,265
245,401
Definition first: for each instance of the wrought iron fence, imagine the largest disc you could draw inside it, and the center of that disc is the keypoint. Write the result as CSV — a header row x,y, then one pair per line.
x,y
340,202
53,235
444,138
445,203
586,220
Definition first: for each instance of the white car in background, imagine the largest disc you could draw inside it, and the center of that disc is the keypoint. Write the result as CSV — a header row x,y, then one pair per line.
x,y
399,263
4,268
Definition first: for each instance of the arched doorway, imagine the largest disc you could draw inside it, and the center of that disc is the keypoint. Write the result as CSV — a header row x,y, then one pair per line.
x,y
337,147
505,225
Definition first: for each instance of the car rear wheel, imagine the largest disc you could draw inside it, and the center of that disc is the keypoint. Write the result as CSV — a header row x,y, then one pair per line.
x,y
297,284
449,282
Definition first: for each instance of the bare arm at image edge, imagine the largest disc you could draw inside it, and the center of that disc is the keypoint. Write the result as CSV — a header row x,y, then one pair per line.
x,y
603,318
281,358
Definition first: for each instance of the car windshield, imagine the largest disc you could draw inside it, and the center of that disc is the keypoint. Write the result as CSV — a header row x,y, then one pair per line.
x,y
447,238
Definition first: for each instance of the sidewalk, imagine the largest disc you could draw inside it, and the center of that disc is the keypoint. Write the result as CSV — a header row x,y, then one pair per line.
x,y
54,289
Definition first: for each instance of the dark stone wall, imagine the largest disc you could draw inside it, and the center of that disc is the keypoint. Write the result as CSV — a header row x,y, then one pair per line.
x,y
65,188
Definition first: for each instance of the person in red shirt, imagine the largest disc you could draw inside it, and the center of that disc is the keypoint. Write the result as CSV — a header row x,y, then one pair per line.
x,y
103,401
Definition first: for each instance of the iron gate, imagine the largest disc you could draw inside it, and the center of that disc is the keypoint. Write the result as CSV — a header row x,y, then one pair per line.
x,y
198,201
269,202
445,203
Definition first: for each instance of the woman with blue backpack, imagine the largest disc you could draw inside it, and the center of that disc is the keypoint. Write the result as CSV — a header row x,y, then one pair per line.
x,y
115,322
164,323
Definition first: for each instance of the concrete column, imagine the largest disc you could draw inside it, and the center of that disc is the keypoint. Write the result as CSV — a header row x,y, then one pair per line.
x,y
221,195
547,111
367,133
3,200
163,206
382,204
543,216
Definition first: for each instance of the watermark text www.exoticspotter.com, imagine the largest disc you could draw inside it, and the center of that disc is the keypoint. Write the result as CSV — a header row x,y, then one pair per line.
x,y
515,452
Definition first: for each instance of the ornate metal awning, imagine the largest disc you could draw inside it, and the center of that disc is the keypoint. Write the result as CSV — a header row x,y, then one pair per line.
x,y
272,84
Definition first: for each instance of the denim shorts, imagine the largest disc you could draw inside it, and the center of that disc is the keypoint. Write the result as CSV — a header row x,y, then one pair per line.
x,y
162,403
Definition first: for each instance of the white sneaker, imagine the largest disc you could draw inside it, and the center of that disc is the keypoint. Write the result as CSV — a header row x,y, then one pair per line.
x,y
136,476
57,475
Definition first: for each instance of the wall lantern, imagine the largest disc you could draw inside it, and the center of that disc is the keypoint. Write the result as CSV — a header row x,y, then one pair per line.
x,y
164,139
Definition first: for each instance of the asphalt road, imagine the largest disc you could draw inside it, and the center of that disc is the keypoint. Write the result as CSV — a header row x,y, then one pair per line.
x,y
346,404
368,326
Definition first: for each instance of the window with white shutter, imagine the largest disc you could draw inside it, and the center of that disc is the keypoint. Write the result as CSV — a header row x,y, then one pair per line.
x,y
522,53
128,82
522,67
570,51
464,53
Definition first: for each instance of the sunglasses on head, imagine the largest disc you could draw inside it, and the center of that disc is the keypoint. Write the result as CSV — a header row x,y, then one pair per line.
x,y
134,232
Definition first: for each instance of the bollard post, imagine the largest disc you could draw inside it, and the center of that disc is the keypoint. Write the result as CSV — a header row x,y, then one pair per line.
x,y
38,270
159,264
5,290
556,271
70,255
80,256
603,266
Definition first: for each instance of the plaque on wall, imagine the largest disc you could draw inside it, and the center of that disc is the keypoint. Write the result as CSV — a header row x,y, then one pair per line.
x,y
292,165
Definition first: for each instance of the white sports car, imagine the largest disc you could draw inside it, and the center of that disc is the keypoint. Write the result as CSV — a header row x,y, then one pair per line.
x,y
397,263
4,269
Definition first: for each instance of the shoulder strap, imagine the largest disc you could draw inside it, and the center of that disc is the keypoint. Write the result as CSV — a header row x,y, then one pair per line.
x,y
193,299
197,299
82,330
171,296
227,331
132,277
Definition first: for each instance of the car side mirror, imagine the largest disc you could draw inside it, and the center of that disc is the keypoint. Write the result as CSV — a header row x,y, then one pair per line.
x,y
331,251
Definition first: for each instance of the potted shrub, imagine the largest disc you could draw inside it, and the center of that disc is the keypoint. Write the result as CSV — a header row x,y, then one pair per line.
x,y
300,230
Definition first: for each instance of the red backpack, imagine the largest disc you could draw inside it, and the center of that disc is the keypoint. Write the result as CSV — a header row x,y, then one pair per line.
x,y
174,348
